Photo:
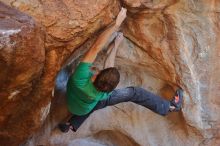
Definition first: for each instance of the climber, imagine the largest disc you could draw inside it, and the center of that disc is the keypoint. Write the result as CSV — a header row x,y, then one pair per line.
x,y
87,92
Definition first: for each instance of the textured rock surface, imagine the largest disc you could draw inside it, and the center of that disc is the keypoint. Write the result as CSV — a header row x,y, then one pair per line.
x,y
22,58
169,43
67,25
182,38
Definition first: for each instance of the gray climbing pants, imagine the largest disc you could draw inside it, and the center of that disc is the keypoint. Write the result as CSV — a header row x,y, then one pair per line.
x,y
130,94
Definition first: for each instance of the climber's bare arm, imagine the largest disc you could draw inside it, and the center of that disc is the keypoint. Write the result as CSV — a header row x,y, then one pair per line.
x,y
103,38
99,44
112,50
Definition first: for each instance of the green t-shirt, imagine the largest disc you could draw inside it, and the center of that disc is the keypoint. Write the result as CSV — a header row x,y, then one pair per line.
x,y
82,96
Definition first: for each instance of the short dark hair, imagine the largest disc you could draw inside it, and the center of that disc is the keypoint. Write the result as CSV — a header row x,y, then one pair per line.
x,y
107,79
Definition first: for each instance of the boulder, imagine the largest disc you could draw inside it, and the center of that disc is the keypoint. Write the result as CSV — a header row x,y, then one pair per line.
x,y
168,44
22,58
30,71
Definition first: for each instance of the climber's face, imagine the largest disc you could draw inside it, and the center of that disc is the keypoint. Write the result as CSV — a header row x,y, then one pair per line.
x,y
94,77
95,71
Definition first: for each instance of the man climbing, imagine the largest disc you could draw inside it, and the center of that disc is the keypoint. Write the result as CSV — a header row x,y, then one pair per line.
x,y
87,92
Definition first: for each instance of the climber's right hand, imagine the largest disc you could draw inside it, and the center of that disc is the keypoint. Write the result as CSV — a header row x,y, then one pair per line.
x,y
119,39
121,17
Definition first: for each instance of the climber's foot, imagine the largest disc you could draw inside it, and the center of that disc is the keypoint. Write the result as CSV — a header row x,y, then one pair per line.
x,y
64,127
177,101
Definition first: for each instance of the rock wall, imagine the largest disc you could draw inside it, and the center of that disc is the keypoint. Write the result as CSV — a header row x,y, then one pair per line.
x,y
181,37
168,44
30,107
22,58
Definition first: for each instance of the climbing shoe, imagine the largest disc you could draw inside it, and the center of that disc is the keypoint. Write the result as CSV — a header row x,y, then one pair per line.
x,y
64,127
177,100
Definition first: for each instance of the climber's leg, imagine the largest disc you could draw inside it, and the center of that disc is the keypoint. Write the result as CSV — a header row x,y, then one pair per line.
x,y
76,121
139,96
144,98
